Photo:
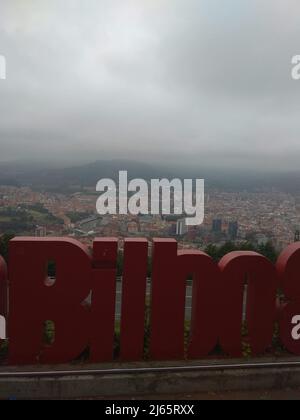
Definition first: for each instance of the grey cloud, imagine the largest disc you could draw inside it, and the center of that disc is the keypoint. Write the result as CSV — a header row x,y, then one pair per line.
x,y
151,79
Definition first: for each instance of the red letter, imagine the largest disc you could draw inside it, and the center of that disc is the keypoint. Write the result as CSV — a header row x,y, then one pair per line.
x,y
103,299
168,303
170,272
134,299
3,297
205,305
32,302
288,267
3,287
236,269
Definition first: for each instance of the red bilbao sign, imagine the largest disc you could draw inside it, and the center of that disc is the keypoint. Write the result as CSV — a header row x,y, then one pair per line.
x,y
218,303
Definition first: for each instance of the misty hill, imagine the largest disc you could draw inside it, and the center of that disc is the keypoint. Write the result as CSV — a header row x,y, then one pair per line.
x,y
49,177
84,175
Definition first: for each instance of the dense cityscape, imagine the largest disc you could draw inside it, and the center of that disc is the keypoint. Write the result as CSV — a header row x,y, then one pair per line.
x,y
256,217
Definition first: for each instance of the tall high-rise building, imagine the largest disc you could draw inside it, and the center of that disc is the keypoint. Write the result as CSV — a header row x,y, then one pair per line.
x,y
181,228
233,229
217,225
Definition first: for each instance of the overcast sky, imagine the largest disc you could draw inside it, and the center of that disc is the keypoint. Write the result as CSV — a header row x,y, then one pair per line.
x,y
205,81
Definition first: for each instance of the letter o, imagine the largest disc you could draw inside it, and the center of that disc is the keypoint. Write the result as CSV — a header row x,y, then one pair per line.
x,y
288,268
260,314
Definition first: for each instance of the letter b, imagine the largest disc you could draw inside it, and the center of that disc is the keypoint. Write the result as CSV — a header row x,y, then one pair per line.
x,y
33,302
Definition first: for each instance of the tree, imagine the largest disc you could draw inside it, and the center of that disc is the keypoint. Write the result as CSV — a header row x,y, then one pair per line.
x,y
269,251
217,253
4,242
